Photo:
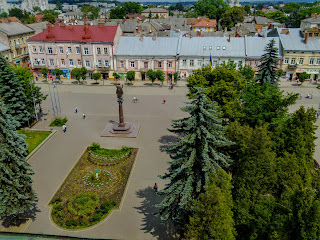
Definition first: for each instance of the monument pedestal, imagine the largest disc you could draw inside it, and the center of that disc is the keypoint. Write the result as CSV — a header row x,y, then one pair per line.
x,y
129,130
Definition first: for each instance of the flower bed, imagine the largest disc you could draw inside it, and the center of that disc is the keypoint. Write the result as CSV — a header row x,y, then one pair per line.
x,y
83,200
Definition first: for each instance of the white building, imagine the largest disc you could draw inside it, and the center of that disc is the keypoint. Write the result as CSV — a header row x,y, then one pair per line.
x,y
28,5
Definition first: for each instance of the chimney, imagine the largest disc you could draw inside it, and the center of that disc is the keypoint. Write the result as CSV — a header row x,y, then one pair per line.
x,y
62,24
306,37
154,38
141,38
70,27
199,34
100,24
229,38
123,21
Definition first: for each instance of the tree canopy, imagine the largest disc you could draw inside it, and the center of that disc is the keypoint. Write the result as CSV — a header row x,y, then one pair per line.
x,y
231,17
213,9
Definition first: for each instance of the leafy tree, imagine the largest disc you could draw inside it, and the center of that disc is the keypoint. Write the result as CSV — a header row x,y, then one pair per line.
x,y
247,9
96,76
194,157
16,194
30,19
16,12
290,7
303,76
157,16
58,72
247,72
212,9
160,76
117,13
304,13
213,217
131,76
11,93
4,15
231,17
277,16
44,71
76,72
152,75
260,13
29,88
116,76
269,65
126,8
83,73
59,5
50,18
175,77
150,15
223,86
36,9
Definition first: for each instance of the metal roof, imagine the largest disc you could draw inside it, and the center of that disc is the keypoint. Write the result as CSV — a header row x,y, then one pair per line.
x,y
14,28
133,46
216,46
255,46
4,47
294,41
312,20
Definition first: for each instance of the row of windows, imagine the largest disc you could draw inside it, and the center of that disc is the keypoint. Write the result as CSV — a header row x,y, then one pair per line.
x,y
18,41
69,50
145,64
71,62
199,63
293,61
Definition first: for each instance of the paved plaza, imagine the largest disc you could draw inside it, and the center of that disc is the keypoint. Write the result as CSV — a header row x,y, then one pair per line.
x,y
52,163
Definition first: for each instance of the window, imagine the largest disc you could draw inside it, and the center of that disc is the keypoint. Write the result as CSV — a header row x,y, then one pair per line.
x,y
22,40
249,63
132,64
50,50
191,63
121,64
98,50
36,61
63,62
51,62
286,60
293,61
159,64
301,61
10,43
61,50
218,47
256,63
145,64
69,50
184,62
87,63
42,61
223,48
40,49
240,63
79,62
204,48
71,62
34,49
106,63
311,61
199,63
86,51
318,61
105,50
77,50
169,64
99,63
210,47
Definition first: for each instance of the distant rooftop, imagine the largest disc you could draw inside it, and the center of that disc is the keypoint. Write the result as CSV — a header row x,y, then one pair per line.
x,y
14,28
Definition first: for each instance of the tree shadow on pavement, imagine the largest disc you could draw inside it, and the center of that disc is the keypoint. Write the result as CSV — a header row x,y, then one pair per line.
x,y
165,140
152,223
22,218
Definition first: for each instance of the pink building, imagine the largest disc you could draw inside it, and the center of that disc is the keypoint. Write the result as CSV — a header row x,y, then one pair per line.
x,y
74,46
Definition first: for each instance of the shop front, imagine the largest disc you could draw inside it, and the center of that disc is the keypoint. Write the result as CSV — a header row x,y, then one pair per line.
x,y
313,73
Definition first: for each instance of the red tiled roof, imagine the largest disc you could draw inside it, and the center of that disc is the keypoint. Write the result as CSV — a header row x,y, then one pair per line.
x,y
77,33
205,22
9,19
39,16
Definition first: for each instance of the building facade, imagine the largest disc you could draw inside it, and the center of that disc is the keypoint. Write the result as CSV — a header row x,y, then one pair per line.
x,y
5,51
28,5
205,25
15,35
160,12
74,46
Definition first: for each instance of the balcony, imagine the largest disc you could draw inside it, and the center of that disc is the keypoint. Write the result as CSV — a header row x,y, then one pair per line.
x,y
17,45
292,66
103,67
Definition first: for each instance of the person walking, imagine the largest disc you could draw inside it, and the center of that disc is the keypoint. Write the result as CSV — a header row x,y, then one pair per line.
x,y
155,187
83,116
64,128
76,110
164,101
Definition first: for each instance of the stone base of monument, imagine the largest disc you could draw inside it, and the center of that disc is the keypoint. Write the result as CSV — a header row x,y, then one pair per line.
x,y
130,130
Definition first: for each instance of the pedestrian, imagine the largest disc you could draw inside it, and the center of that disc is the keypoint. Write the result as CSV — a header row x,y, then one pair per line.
x,y
164,101
76,110
318,114
64,127
171,86
155,187
83,116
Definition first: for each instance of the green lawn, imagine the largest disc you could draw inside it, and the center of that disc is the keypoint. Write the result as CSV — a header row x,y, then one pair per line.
x,y
33,139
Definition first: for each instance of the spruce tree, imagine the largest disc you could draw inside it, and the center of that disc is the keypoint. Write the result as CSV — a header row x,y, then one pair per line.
x,y
12,94
16,194
268,67
194,157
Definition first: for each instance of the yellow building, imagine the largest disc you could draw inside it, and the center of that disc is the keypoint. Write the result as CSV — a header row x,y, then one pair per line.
x,y
15,35
155,12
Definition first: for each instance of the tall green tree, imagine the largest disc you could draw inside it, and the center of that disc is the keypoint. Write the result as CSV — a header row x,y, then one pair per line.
x,y
194,157
269,64
49,17
160,76
213,217
44,72
152,75
277,16
11,93
83,73
231,17
16,194
58,72
212,9
131,76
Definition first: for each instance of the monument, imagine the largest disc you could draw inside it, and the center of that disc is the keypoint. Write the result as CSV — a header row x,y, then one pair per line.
x,y
121,128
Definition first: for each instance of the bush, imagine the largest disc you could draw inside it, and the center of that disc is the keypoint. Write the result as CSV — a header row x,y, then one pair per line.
x,y
95,146
96,217
83,203
111,152
58,122
57,200
72,222
107,206
59,207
